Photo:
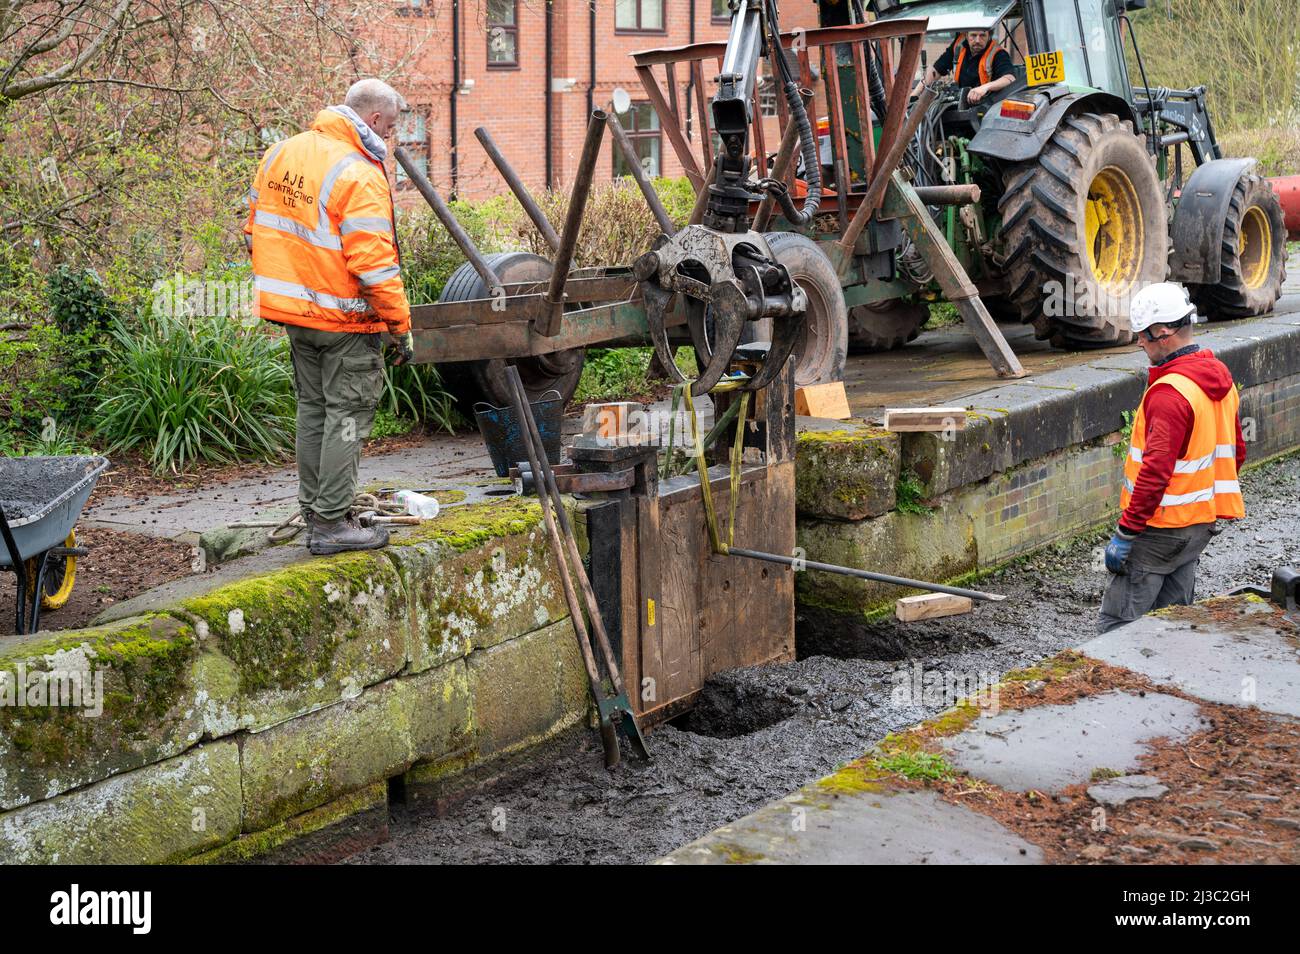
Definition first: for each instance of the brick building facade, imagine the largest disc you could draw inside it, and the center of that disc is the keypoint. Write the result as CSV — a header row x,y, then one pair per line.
x,y
487,61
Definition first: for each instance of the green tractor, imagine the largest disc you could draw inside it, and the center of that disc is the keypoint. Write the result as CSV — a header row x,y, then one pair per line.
x,y
1081,177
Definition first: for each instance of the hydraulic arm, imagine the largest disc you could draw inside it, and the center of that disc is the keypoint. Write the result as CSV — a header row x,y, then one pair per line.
x,y
721,272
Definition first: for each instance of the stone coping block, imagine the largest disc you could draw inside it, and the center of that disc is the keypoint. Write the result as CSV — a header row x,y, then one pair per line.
x,y
1023,420
848,472
163,812
264,641
80,706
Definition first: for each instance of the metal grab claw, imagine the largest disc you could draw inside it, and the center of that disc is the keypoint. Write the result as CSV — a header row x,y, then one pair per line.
x,y
722,280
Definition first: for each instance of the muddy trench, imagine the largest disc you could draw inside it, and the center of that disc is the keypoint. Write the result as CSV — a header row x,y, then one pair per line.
x,y
759,733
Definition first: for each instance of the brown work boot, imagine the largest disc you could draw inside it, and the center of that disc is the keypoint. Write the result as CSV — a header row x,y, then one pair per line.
x,y
344,534
308,522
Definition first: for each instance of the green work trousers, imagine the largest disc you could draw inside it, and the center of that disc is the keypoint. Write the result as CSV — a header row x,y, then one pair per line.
x,y
338,377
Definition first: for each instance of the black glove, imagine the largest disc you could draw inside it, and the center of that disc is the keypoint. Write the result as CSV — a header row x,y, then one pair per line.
x,y
401,349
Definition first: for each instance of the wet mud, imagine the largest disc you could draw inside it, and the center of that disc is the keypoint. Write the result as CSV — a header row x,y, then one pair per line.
x,y
758,733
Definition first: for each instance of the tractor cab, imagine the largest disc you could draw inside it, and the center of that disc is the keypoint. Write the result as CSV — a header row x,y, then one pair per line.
x,y
1074,43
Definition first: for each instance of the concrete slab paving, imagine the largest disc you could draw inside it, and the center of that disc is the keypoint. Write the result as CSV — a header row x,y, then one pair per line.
x,y
1233,663
816,827
1206,651
1048,748
455,461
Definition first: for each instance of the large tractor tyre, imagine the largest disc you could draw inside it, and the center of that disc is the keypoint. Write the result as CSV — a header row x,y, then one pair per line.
x,y
1084,226
883,326
823,345
1254,255
473,381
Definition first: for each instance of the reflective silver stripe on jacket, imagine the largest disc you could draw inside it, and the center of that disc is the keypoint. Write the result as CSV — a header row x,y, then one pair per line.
x,y
303,293
363,223
1197,496
327,186
379,275
1192,466
281,224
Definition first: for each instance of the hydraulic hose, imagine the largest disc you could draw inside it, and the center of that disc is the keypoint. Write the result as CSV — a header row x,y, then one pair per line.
x,y
807,140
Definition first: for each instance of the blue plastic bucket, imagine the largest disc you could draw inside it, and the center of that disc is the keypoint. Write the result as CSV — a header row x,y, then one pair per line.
x,y
504,438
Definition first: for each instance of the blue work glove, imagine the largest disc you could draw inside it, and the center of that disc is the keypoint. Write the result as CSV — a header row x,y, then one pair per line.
x,y
1118,550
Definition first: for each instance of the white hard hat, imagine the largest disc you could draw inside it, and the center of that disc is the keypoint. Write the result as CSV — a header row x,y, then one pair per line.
x,y
1164,303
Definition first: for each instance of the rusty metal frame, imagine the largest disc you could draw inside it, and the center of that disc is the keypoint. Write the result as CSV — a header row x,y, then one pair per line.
x,y
908,34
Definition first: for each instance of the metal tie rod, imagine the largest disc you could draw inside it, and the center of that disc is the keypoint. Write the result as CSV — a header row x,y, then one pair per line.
x,y
865,574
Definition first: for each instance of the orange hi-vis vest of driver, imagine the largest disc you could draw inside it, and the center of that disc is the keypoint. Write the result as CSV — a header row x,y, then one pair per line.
x,y
1204,484
986,59
320,220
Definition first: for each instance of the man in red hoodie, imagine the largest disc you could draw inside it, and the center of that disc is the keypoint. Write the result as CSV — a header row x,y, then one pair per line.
x,y
1180,476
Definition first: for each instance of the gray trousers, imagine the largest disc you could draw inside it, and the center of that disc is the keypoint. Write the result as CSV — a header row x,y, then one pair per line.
x,y
1161,572
338,377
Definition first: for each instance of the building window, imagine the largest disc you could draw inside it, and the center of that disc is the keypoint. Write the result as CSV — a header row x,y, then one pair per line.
x,y
642,125
412,8
639,16
503,34
767,97
721,11
413,136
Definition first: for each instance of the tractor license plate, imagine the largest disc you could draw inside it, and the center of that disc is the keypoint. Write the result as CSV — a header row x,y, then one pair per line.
x,y
1044,68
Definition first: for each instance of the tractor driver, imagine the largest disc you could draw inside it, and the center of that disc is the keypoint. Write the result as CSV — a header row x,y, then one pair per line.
x,y
979,64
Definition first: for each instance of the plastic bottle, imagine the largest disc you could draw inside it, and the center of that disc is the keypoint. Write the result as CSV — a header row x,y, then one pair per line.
x,y
417,505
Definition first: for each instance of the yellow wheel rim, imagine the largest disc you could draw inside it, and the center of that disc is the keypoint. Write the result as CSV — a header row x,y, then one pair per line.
x,y
52,601
1255,247
1114,230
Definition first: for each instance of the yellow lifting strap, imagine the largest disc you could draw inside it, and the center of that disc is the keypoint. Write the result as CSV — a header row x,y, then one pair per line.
x,y
701,465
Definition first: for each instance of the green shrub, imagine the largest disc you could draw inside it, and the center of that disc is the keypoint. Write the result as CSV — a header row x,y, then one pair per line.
x,y
45,378
415,392
77,300
388,424
617,226
610,374
430,255
943,314
910,494
197,389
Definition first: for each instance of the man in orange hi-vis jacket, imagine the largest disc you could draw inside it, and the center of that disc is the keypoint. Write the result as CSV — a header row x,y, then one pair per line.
x,y
321,231
1180,473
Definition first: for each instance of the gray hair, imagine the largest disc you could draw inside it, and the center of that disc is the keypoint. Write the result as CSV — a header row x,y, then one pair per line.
x,y
367,96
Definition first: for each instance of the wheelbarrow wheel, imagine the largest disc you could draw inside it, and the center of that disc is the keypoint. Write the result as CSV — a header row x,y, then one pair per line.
x,y
60,575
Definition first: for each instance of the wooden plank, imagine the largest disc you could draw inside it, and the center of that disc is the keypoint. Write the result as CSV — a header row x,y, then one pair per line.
x,y
670,126
931,606
648,694
679,570
865,117
827,401
912,419
702,106
602,325
839,143
671,70
777,582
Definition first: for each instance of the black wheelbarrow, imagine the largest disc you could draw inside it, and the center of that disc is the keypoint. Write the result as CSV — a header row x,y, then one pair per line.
x,y
40,500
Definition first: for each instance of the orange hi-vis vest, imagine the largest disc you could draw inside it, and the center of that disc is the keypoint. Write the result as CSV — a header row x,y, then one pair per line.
x,y
1203,487
321,224
986,59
